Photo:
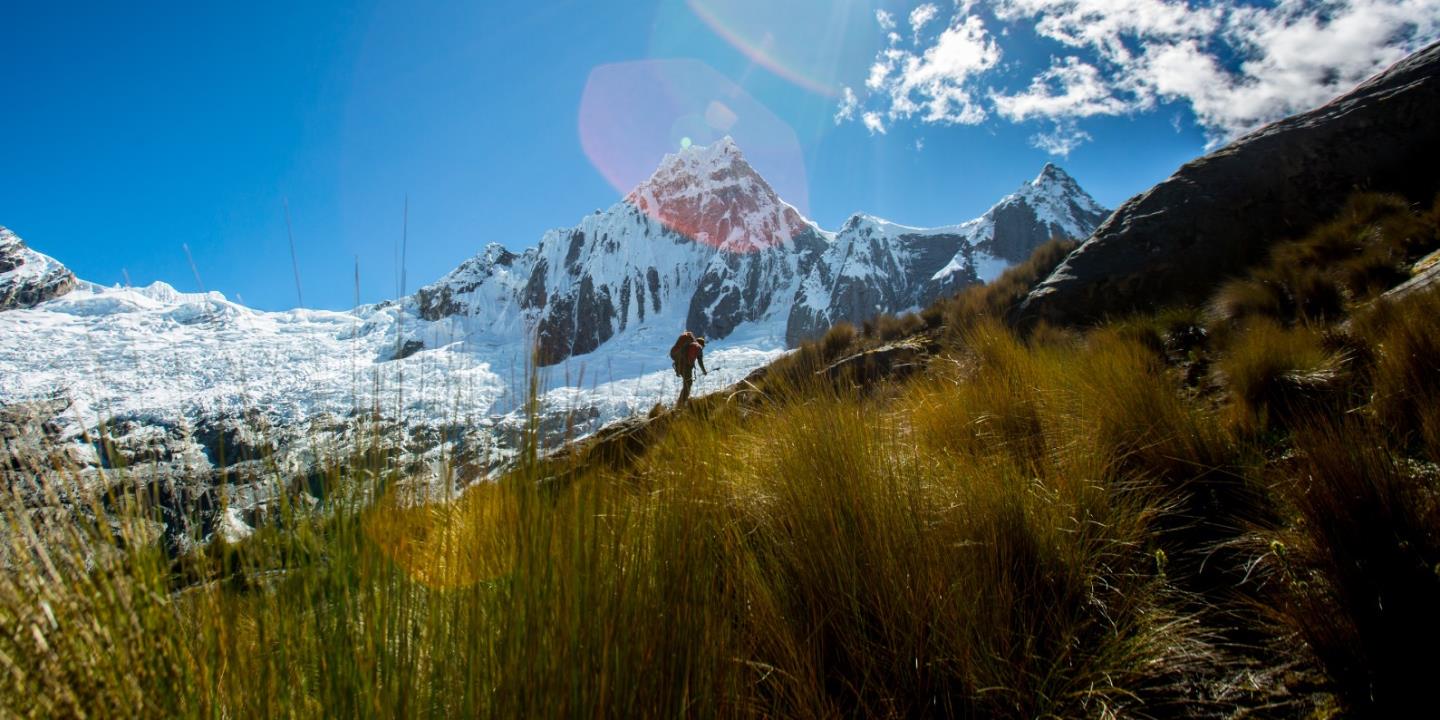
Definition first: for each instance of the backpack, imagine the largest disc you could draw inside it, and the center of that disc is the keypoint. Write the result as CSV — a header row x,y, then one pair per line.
x,y
679,358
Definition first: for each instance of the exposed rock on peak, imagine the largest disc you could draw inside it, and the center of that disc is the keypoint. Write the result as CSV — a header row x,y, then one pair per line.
x,y
1218,214
1050,206
1051,171
28,278
441,298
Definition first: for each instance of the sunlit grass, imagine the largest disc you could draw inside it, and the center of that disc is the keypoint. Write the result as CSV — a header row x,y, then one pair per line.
x,y
1056,523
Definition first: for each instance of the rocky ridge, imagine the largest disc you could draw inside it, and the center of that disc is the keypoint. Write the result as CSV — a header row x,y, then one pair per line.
x,y
28,278
1220,213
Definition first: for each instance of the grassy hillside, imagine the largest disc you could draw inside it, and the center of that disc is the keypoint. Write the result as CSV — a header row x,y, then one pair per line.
x,y
1204,511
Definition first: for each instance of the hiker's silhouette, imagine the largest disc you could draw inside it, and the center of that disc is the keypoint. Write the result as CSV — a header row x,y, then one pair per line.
x,y
687,352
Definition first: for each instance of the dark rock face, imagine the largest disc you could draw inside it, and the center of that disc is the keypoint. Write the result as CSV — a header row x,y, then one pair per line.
x,y
408,348
652,280
28,278
594,317
556,332
534,295
228,441
743,287
1220,213
578,321
1018,231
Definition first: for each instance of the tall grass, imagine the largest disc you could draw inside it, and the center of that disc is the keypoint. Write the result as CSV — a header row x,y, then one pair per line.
x,y
805,558
1314,279
1360,565
1059,523
1407,376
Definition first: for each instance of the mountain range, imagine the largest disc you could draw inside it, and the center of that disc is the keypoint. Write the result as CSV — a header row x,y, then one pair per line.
x,y
181,386
705,244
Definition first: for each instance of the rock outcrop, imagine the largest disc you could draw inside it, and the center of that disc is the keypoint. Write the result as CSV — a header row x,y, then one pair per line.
x,y
28,278
1220,213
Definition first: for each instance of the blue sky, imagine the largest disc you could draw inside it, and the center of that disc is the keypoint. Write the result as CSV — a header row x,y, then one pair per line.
x,y
133,131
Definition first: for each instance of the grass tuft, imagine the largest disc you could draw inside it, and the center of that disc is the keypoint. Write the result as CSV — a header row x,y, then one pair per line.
x,y
1360,566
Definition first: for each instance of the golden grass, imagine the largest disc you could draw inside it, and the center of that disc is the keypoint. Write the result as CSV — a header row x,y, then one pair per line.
x,y
1059,524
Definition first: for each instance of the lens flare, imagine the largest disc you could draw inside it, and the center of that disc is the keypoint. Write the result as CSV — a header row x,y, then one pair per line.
x,y
634,114
811,43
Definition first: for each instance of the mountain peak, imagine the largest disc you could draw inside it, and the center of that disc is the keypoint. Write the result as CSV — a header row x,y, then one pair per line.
x,y
709,193
1052,173
726,145
701,160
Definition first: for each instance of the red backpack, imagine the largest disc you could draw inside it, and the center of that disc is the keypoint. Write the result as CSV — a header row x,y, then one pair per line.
x,y
679,358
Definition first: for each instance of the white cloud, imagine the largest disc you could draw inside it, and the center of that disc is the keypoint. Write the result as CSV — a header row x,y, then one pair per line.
x,y
1061,139
937,83
1069,88
1237,64
919,144
885,64
873,123
921,16
1290,55
848,104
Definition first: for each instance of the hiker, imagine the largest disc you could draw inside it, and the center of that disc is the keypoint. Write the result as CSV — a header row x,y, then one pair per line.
x,y
685,353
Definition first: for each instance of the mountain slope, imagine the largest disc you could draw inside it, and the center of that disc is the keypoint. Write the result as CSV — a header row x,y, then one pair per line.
x,y
1219,213
28,278
874,266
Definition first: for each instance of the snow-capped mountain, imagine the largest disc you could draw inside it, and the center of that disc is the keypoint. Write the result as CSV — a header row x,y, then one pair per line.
x,y
705,244
192,385
874,266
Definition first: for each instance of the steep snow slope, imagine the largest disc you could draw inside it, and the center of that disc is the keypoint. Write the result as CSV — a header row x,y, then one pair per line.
x,y
154,353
